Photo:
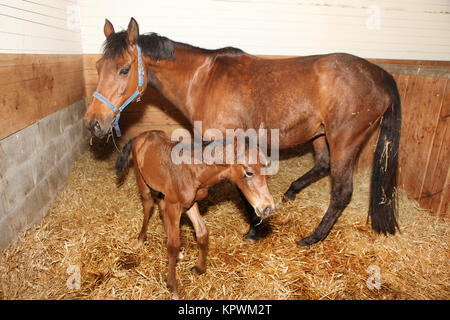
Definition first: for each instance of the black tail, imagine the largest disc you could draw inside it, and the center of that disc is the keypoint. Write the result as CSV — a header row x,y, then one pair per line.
x,y
382,210
122,159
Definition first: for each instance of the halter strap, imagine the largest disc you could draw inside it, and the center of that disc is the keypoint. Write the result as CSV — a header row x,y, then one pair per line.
x,y
137,94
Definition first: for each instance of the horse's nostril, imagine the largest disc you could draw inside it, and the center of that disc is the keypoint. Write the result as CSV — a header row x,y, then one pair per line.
x,y
96,126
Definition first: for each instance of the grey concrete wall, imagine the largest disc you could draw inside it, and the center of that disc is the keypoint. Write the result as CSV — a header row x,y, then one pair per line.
x,y
35,164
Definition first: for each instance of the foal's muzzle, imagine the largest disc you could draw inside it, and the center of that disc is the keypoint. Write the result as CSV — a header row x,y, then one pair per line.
x,y
263,214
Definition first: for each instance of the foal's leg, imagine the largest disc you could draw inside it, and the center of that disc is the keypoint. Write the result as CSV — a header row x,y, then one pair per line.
x,y
172,216
321,167
147,202
202,235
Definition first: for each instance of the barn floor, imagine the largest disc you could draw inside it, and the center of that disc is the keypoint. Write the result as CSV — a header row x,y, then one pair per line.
x,y
91,228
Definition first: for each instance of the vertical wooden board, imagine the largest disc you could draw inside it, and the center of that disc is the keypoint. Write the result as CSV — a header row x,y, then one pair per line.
x,y
439,164
430,108
407,180
424,105
444,205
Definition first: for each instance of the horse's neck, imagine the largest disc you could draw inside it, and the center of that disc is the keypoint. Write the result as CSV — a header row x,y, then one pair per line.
x,y
181,79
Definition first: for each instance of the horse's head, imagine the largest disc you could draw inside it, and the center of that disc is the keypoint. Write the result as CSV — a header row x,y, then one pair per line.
x,y
121,78
248,175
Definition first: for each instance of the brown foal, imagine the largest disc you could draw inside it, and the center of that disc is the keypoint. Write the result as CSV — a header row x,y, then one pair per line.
x,y
177,188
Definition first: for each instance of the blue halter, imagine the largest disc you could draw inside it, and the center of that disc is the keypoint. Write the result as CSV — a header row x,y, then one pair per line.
x,y
137,94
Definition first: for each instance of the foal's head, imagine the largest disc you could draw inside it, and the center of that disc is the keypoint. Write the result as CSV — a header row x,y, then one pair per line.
x,y
122,73
251,179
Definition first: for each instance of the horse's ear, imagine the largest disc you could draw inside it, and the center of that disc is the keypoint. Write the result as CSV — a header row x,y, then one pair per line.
x,y
133,32
108,28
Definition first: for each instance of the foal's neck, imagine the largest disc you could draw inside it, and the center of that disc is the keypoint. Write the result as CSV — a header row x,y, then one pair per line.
x,y
182,79
210,174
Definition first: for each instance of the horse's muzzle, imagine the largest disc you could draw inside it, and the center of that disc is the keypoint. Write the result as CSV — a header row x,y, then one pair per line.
x,y
95,128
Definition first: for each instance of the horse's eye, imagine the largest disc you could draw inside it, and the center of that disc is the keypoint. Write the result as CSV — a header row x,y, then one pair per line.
x,y
249,174
124,71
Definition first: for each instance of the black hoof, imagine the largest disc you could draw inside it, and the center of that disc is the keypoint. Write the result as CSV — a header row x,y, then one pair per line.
x,y
308,241
251,236
288,197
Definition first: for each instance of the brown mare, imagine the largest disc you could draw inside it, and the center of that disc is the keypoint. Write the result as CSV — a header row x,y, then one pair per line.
x,y
177,188
334,100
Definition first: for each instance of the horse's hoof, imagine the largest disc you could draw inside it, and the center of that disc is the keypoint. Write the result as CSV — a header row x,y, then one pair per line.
x,y
251,236
307,241
175,296
288,197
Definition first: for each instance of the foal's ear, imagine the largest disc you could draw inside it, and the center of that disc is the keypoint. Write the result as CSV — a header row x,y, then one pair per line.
x,y
133,32
108,28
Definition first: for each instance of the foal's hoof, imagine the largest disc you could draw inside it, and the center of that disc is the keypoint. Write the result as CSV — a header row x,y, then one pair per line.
x,y
288,197
175,296
198,271
138,243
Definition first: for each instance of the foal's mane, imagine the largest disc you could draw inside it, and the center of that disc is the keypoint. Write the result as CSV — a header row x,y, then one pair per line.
x,y
154,46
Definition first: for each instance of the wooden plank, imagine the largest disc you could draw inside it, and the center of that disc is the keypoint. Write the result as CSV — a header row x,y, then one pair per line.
x,y
433,193
444,205
430,111
36,67
53,82
407,176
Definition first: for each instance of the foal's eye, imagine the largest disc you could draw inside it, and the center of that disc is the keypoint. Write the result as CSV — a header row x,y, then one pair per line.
x,y
249,174
124,71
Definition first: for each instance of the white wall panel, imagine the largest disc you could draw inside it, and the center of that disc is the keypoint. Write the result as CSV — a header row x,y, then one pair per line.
x,y
402,29
39,26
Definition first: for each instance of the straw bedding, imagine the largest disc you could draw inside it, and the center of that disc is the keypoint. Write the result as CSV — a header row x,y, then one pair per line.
x,y
89,233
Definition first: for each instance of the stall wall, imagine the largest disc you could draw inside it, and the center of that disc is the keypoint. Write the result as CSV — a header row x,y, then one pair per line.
x,y
42,104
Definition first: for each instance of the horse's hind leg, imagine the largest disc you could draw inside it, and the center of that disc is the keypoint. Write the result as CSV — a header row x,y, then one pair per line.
x,y
321,167
342,165
202,236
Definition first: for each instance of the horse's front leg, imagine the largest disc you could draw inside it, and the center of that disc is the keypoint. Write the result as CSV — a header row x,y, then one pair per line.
x,y
253,219
172,221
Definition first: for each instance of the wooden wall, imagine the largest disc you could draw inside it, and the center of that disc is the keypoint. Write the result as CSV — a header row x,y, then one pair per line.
x,y
41,65
424,156
34,86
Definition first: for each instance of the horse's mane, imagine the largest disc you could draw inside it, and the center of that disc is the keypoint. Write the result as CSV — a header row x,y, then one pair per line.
x,y
153,45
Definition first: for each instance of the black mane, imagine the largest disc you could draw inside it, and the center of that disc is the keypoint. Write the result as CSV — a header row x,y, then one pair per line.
x,y
154,46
